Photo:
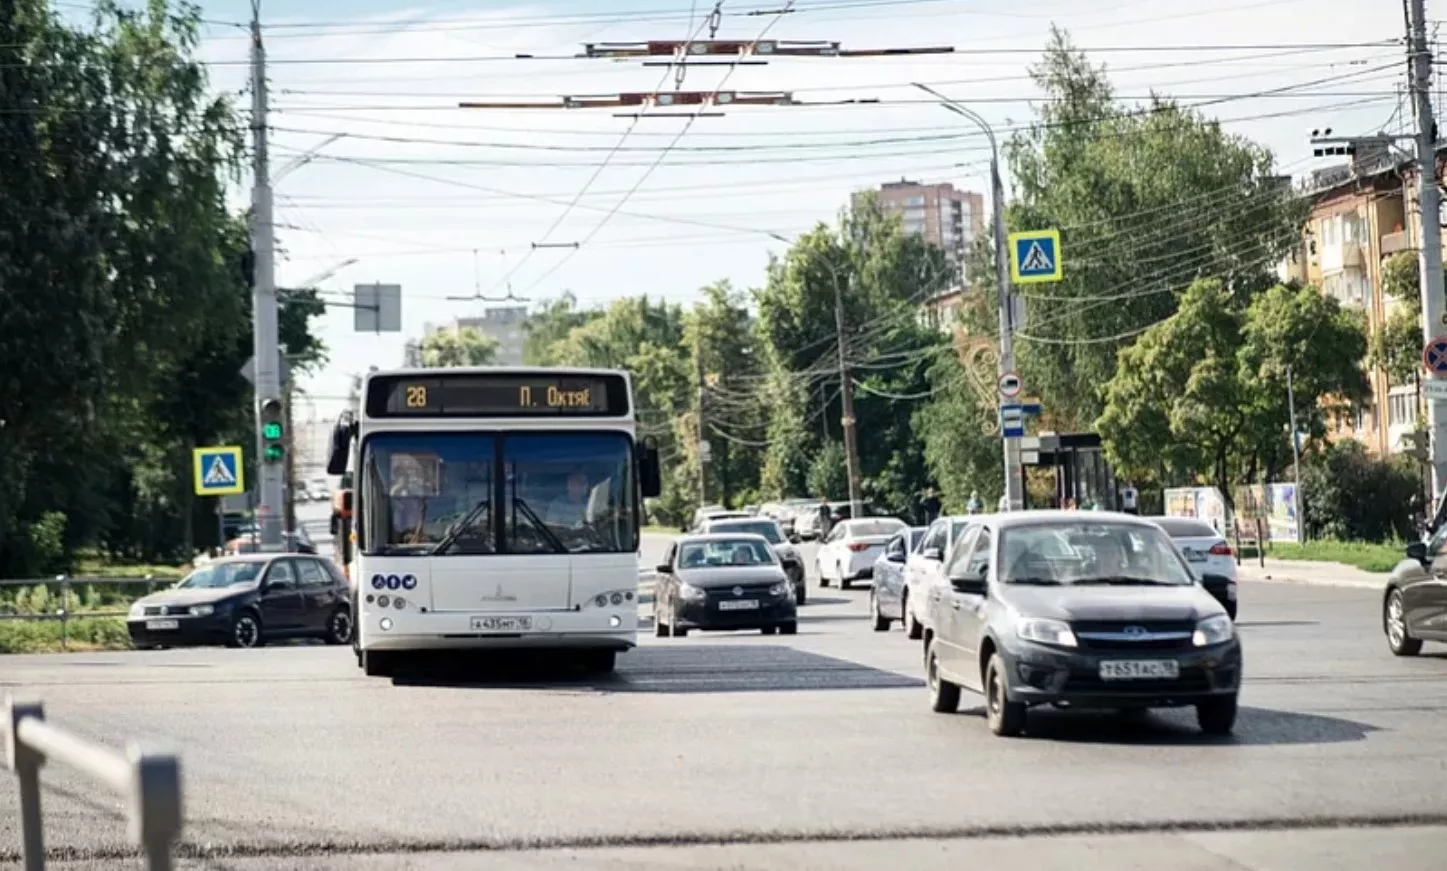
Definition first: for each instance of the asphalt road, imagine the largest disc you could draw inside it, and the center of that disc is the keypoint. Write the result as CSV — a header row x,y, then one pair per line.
x,y
741,750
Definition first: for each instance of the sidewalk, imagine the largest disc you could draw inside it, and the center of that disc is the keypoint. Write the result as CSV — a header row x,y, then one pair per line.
x,y
1280,571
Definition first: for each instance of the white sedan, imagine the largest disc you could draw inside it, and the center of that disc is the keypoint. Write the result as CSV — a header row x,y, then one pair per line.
x,y
852,546
1208,554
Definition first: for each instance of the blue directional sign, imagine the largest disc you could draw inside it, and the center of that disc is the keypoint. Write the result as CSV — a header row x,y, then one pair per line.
x,y
1434,356
218,471
1012,421
1035,257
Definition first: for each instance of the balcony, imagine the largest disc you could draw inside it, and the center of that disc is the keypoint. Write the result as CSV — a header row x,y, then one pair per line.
x,y
1340,258
1395,243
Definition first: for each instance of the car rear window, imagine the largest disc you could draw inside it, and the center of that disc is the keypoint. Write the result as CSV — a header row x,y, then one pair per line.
x,y
880,526
1186,527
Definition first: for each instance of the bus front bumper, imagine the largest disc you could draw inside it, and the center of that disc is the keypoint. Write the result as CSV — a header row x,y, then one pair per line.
x,y
382,630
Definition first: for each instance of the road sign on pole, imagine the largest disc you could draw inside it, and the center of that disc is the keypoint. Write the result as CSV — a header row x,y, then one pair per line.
x,y
1012,421
1010,385
218,471
1035,257
1434,356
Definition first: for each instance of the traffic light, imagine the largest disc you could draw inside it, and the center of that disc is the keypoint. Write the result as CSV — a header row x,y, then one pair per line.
x,y
273,431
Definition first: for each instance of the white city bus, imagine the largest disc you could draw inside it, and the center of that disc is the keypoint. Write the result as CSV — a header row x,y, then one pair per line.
x,y
495,508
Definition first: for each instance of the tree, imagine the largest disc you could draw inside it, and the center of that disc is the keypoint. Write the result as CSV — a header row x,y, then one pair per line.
x,y
720,332
1397,346
1203,394
1147,199
462,347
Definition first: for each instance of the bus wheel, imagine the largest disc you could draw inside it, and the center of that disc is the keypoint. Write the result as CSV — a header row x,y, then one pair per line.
x,y
376,663
600,661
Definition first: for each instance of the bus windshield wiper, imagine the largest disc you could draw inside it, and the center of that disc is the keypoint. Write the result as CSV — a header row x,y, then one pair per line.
x,y
451,537
553,541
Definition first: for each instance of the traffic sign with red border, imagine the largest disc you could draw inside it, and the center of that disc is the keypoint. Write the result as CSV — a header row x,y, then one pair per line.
x,y
1434,356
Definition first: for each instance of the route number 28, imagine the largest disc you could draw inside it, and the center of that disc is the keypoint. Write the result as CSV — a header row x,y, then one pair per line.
x,y
417,397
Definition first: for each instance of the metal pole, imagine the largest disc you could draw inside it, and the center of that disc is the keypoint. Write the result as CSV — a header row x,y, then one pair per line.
x,y
702,431
220,525
851,447
290,467
1014,472
1296,460
265,339
1434,303
26,764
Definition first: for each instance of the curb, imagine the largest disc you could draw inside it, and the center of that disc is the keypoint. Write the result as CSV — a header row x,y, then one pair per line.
x,y
1344,583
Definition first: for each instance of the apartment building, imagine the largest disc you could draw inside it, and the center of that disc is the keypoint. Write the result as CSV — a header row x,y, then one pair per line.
x,y
504,324
1361,215
950,219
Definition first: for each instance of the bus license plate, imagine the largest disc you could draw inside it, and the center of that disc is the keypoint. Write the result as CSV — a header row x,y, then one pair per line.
x,y
502,624
163,624
1149,669
740,605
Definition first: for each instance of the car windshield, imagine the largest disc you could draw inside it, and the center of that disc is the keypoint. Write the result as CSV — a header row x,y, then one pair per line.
x,y
215,576
875,526
1086,553
768,529
434,494
725,552
915,535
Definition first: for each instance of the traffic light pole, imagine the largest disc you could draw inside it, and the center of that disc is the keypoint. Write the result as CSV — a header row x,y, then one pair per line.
x,y
265,340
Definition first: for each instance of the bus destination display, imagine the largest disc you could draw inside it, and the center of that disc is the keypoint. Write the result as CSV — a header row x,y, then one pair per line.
x,y
502,395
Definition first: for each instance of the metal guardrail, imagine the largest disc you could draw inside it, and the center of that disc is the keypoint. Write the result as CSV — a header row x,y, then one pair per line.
x,y
148,780
67,585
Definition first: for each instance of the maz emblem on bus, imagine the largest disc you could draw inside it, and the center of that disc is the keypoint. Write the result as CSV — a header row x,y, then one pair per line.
x,y
499,597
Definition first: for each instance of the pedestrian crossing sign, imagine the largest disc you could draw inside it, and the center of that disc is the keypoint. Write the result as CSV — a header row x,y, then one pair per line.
x,y
1035,257
218,471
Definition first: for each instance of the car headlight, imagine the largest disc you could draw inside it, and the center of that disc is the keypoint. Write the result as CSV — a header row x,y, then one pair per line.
x,y
138,610
782,588
1213,630
691,593
202,610
1043,631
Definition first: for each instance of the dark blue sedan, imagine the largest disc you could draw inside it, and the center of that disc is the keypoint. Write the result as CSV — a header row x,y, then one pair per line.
x,y
886,599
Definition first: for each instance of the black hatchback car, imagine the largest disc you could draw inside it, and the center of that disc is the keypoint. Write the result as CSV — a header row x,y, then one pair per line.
x,y
725,581
245,601
1078,610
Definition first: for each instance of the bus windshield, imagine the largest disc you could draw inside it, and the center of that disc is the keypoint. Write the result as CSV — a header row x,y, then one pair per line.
x,y
437,494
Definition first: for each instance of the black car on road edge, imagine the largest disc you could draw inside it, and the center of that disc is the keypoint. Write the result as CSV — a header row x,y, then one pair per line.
x,y
725,581
245,601
1078,610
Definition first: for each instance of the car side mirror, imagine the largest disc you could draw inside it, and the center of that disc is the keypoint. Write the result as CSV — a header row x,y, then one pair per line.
x,y
663,568
1417,550
933,553
969,586
794,538
896,557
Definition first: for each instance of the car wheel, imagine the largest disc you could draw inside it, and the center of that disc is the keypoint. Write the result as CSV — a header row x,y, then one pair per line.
x,y
1217,716
801,593
912,628
1005,717
660,629
339,627
881,622
245,631
376,663
843,581
768,630
675,630
823,581
1398,639
944,697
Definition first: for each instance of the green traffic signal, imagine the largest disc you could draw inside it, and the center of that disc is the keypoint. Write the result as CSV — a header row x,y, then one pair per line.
x,y
271,430
275,452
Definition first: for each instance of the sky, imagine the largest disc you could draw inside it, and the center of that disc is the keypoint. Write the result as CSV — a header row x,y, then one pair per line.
x,y
380,177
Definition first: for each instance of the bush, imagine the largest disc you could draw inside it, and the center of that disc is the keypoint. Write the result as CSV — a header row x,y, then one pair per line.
x,y
43,636
1354,496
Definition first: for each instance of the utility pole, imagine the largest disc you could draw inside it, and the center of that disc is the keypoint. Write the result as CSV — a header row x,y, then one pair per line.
x,y
1296,460
1434,303
851,448
265,338
703,446
291,442
1014,479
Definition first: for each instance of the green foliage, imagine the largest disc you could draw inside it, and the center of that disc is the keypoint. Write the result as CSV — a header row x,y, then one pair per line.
x,y
1204,392
464,347
1397,347
827,476
1147,199
1353,496
124,321
961,439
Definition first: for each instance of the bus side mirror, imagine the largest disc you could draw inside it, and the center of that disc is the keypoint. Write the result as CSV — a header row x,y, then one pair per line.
x,y
341,451
650,476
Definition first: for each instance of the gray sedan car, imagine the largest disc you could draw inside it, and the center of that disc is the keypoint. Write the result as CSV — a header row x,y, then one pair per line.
x,y
886,597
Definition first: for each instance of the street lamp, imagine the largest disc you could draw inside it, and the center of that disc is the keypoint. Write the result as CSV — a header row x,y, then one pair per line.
x,y
1014,485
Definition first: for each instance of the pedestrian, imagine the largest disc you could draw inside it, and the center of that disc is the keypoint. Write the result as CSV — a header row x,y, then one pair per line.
x,y
1129,500
826,519
976,504
931,506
